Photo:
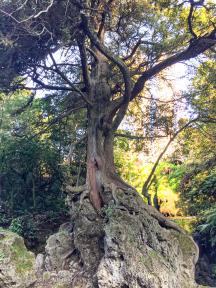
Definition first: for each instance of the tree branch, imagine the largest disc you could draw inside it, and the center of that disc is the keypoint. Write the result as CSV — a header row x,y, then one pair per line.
x,y
133,50
50,87
84,63
196,47
63,76
57,119
33,16
136,137
118,62
190,16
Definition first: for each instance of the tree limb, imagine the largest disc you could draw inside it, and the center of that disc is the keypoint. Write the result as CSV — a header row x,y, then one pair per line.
x,y
63,76
118,62
136,137
196,47
50,87
84,63
57,119
190,16
33,16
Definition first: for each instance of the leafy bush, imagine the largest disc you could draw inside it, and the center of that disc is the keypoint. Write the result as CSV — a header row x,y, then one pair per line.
x,y
208,228
16,226
198,188
25,227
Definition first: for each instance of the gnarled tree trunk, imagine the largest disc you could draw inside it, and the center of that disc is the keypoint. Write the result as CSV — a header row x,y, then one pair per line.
x,y
116,241
100,159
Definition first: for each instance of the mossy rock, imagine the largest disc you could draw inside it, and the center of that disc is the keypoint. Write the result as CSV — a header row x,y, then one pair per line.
x,y
17,264
187,246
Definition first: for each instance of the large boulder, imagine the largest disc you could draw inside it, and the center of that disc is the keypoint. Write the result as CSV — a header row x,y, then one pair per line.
x,y
54,267
58,249
17,264
128,245
141,253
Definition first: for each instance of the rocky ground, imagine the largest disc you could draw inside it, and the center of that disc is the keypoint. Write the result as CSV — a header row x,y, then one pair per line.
x,y
128,245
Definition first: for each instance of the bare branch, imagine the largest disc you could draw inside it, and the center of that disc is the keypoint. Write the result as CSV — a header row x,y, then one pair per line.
x,y
133,50
64,77
92,53
33,16
50,87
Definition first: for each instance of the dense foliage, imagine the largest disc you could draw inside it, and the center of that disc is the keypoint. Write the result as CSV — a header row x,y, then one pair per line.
x,y
34,165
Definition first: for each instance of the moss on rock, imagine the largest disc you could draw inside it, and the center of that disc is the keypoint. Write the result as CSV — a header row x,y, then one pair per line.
x,y
17,264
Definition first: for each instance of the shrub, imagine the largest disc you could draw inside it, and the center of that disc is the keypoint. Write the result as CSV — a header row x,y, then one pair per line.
x,y
208,229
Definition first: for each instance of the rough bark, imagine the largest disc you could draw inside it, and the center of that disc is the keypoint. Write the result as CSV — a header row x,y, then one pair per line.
x,y
100,159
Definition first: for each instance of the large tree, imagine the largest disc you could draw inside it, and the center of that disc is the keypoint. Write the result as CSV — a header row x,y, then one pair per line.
x,y
100,55
109,50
